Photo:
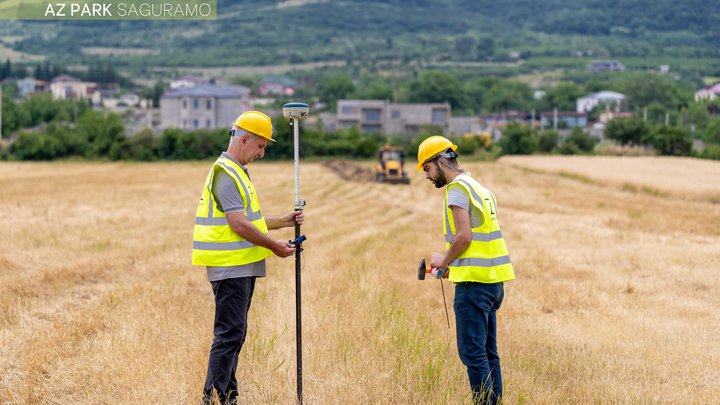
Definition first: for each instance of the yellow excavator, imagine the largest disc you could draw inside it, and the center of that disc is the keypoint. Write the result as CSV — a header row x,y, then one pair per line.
x,y
390,166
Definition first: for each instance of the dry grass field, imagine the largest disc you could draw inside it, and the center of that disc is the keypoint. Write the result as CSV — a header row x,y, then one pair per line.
x,y
615,302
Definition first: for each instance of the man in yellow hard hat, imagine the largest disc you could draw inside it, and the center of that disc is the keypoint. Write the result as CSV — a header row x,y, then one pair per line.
x,y
231,239
477,260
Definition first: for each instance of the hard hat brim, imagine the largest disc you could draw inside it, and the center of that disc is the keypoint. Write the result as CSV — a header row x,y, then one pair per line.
x,y
251,132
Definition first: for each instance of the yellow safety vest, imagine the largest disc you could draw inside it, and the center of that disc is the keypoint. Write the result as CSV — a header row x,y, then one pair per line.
x,y
486,258
214,242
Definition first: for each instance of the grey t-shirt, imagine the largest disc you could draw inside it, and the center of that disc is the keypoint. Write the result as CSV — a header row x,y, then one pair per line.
x,y
458,196
228,199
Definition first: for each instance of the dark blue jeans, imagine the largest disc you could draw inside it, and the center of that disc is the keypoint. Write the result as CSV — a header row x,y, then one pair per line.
x,y
475,306
232,303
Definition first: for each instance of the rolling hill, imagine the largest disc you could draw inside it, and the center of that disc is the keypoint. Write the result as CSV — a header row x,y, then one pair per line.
x,y
296,31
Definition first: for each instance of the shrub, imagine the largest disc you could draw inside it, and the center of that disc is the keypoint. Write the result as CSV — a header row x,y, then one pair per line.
x,y
547,141
467,145
580,141
141,146
36,146
711,152
610,148
517,140
627,131
671,141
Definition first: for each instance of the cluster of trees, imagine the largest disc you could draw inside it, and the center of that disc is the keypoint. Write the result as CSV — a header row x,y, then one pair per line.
x,y
7,70
666,139
477,94
95,134
41,71
97,72
48,129
36,110
102,136
520,139
46,71
102,73
74,130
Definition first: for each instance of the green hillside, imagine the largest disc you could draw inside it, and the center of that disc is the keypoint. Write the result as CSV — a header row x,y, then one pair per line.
x,y
551,33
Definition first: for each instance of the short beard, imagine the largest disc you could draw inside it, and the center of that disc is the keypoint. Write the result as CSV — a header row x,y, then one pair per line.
x,y
440,181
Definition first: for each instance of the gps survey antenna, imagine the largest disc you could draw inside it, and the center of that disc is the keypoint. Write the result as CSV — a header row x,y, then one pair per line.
x,y
296,112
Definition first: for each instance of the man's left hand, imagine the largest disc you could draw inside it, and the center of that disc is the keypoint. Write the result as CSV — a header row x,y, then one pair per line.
x,y
293,217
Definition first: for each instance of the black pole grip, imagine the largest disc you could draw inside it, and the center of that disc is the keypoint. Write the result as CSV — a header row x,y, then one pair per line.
x,y
298,312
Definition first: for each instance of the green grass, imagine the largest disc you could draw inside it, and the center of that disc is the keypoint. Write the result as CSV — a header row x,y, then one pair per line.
x,y
578,177
634,188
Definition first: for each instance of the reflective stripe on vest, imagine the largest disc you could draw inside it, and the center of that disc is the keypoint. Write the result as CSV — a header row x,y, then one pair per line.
x,y
470,261
222,245
249,213
214,242
486,258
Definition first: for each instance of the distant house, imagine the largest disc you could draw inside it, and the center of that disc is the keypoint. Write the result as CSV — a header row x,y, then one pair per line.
x,y
592,100
501,120
277,85
607,116
605,66
711,92
390,118
129,100
188,81
31,85
203,106
66,87
124,101
464,125
107,90
565,119
539,94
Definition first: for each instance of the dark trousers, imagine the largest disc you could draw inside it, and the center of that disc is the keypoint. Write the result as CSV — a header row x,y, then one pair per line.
x,y
232,303
475,307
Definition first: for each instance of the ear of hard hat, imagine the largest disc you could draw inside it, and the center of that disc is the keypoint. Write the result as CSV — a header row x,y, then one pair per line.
x,y
447,154
431,147
256,123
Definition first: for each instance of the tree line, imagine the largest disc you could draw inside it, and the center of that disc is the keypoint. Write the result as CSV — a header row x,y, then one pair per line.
x,y
472,94
46,129
43,128
663,139
97,72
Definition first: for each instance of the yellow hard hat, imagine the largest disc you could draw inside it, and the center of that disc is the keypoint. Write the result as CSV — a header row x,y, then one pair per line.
x,y
432,146
255,122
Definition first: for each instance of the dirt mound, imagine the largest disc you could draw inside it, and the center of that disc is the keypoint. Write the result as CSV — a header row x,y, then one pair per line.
x,y
350,170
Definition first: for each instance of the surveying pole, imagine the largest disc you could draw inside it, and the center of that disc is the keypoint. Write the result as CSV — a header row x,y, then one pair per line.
x,y
296,112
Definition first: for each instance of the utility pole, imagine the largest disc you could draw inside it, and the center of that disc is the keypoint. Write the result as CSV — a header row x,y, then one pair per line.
x,y
532,119
555,119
